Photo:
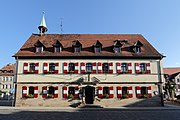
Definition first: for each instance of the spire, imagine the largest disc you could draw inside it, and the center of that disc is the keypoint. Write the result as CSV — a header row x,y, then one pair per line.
x,y
42,27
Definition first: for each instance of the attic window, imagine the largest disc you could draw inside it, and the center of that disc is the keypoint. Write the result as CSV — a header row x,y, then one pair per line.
x,y
39,47
57,47
97,47
117,46
77,46
137,47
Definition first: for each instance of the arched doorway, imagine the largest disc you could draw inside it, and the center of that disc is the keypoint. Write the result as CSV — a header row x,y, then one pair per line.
x,y
89,94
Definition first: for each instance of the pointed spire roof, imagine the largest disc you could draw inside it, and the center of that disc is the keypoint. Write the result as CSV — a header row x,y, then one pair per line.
x,y
42,27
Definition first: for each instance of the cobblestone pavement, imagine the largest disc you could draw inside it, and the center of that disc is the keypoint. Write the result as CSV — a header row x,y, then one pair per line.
x,y
91,114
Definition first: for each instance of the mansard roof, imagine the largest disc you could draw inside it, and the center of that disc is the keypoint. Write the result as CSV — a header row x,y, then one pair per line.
x,y
88,41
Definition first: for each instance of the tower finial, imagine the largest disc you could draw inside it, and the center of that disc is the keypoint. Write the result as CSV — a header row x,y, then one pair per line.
x,y
42,27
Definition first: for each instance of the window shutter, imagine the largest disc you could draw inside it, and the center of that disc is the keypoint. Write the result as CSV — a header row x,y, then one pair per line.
x,y
25,68
56,68
111,67
37,68
94,67
119,92
44,88
129,68
137,67
149,91
111,92
148,71
138,92
118,68
56,92
82,68
65,92
24,91
35,91
99,67
130,92
65,70
76,68
45,71
76,95
100,92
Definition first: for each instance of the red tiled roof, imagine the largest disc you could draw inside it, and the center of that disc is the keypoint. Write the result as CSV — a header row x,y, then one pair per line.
x,y
171,71
7,70
87,41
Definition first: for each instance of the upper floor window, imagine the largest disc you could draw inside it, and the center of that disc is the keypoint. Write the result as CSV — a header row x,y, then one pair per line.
x,y
32,67
105,67
124,67
142,67
88,67
71,67
51,67
178,80
7,79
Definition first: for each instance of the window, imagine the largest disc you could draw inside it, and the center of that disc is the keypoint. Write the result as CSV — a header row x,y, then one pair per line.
x,y
117,49
57,49
39,49
124,67
88,67
178,80
77,49
32,67
51,90
142,67
6,87
137,49
51,67
105,67
31,90
6,78
71,67
105,92
11,78
97,49
144,91
9,86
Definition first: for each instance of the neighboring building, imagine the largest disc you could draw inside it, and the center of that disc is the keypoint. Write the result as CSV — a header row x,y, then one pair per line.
x,y
173,74
7,80
104,68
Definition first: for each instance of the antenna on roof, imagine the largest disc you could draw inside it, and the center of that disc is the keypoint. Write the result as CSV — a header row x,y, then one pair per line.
x,y
61,25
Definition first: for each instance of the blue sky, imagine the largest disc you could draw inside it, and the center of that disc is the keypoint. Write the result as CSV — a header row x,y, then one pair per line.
x,y
157,20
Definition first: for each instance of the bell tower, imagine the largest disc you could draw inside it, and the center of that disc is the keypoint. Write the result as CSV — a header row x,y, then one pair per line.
x,y
42,27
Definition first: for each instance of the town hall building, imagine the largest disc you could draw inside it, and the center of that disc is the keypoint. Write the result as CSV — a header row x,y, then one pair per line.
x,y
110,70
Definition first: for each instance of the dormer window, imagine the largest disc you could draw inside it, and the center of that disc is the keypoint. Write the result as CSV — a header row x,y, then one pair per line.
x,y
97,47
137,47
57,47
77,46
117,46
39,47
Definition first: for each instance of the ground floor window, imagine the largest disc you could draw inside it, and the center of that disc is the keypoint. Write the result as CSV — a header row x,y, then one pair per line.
x,y
105,92
30,92
143,92
124,92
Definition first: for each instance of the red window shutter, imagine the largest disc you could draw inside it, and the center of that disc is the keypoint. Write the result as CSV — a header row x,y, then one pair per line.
x,y
76,68
100,92
65,92
44,91
65,70
56,92
99,67
35,91
94,68
149,91
37,68
130,92
25,69
56,68
76,95
148,71
111,67
24,91
129,68
111,92
118,68
45,71
137,67
119,92
138,92
82,68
